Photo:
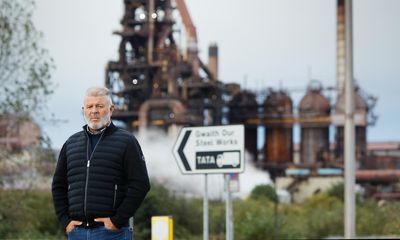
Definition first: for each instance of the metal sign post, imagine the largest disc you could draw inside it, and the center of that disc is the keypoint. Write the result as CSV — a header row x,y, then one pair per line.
x,y
231,185
205,208
228,210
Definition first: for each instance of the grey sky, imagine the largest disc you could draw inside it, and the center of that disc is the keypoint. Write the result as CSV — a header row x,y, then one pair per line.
x,y
272,42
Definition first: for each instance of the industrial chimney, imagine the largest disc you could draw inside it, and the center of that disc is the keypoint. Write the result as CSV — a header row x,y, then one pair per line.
x,y
213,60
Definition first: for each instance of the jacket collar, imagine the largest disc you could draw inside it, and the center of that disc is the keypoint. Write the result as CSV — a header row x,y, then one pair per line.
x,y
107,130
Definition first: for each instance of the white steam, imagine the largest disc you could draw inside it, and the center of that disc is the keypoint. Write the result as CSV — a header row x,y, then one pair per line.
x,y
162,167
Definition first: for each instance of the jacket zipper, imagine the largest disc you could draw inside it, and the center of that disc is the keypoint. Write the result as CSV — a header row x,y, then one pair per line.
x,y
89,157
115,195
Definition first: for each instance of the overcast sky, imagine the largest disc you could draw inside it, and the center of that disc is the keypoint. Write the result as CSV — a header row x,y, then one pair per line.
x,y
271,43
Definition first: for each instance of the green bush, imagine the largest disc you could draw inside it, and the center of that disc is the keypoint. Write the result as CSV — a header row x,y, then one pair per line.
x,y
254,220
392,219
24,213
30,215
324,216
292,224
337,190
264,191
217,219
378,219
186,213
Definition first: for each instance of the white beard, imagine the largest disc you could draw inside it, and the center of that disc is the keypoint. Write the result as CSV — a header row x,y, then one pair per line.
x,y
95,126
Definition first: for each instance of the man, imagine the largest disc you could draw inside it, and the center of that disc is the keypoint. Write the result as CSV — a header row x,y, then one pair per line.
x,y
101,177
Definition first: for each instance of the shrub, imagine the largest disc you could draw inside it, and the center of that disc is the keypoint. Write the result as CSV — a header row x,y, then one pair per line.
x,y
25,212
186,213
324,216
264,191
254,220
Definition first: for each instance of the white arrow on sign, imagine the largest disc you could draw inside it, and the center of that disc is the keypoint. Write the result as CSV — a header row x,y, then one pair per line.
x,y
210,149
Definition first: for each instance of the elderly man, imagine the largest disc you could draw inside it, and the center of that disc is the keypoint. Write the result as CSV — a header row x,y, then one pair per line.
x,y
101,177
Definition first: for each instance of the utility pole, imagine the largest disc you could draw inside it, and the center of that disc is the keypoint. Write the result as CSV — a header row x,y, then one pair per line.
x,y
349,129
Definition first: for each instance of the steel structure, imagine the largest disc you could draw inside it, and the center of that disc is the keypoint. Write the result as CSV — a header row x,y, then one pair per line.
x,y
243,107
361,112
278,106
157,81
314,135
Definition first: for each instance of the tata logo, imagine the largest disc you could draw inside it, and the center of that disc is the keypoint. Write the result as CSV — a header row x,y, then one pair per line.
x,y
217,159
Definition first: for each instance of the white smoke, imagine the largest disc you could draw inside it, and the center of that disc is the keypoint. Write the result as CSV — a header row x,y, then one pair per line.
x,y
251,177
162,167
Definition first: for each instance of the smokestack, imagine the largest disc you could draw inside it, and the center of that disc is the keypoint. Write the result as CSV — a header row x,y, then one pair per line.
x,y
213,60
340,47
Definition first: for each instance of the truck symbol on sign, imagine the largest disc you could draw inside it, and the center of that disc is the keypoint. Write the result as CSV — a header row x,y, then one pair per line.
x,y
228,158
218,160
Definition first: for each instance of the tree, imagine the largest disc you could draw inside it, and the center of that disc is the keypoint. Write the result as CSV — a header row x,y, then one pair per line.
x,y
336,190
24,65
264,191
25,85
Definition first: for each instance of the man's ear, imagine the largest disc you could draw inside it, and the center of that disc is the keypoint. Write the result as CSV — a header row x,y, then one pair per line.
x,y
112,108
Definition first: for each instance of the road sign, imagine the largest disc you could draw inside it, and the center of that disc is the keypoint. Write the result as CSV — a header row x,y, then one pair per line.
x,y
211,149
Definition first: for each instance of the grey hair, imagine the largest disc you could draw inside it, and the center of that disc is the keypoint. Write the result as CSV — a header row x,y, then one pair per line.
x,y
98,91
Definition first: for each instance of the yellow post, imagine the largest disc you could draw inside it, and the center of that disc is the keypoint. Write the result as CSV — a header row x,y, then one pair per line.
x,y
162,228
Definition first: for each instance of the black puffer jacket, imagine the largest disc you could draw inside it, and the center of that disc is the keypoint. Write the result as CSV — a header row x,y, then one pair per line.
x,y
111,182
